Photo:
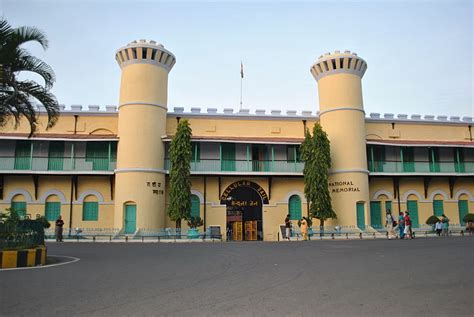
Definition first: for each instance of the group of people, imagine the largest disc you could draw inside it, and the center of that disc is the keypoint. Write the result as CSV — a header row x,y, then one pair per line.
x,y
303,225
403,224
442,226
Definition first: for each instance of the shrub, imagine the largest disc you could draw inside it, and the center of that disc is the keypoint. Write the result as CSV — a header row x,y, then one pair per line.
x,y
432,220
195,222
468,218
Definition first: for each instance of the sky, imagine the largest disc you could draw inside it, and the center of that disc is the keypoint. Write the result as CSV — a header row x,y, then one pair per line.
x,y
419,53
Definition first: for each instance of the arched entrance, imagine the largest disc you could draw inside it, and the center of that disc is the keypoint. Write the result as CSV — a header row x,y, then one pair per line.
x,y
244,201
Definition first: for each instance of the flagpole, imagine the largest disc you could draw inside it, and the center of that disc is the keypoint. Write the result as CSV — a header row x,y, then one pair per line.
x,y
241,79
240,93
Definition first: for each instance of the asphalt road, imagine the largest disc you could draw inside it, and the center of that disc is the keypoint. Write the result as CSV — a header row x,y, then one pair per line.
x,y
422,277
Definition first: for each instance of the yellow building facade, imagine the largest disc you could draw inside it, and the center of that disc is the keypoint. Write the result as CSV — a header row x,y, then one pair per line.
x,y
107,169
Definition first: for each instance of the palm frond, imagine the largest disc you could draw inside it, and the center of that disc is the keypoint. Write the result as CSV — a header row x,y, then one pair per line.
x,y
33,64
46,98
24,34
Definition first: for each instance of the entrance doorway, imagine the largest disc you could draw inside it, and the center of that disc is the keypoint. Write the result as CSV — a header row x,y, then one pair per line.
x,y
130,219
244,201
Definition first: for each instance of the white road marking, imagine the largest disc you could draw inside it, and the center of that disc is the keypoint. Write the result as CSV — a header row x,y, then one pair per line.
x,y
74,259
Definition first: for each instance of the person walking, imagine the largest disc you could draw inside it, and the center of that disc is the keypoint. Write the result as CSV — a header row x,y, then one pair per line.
x,y
304,229
58,231
288,227
401,225
389,225
408,232
445,221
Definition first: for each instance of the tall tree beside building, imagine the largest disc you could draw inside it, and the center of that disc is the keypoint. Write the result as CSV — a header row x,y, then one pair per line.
x,y
18,97
180,184
315,152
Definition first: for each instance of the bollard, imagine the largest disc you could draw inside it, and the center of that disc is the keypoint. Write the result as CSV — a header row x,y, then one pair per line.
x,y
126,238
332,236
374,234
426,233
347,236
360,235
143,239
110,238
93,238
278,235
462,233
386,234
77,238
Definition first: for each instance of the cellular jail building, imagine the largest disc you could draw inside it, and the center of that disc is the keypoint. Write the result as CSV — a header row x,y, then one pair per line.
x,y
108,169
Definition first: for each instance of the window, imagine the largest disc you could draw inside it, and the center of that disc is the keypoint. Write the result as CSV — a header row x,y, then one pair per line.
x,y
294,205
90,211
195,206
56,156
19,207
52,210
196,152
434,160
293,153
463,207
99,153
408,157
23,155
438,209
228,156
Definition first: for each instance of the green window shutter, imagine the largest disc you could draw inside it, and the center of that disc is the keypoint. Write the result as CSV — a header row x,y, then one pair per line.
x,y
412,207
90,211
379,157
196,155
52,210
195,206
295,207
227,156
56,156
408,159
434,160
463,207
375,214
23,155
113,151
459,158
438,209
98,154
19,207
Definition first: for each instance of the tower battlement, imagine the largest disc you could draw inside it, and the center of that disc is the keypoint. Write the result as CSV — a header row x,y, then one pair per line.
x,y
143,51
337,62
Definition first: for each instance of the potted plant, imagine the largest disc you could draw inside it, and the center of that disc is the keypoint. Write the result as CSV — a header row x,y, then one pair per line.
x,y
194,223
469,220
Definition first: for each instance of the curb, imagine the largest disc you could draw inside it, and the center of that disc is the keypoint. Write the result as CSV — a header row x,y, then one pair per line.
x,y
23,258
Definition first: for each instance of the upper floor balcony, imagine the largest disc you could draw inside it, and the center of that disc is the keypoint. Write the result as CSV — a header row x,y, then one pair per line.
x,y
244,158
420,160
57,157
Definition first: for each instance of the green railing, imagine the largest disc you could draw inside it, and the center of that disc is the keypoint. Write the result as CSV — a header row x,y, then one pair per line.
x,y
35,163
216,165
420,167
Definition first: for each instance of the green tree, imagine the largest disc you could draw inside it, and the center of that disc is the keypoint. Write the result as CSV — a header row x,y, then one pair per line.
x,y
18,97
315,152
180,184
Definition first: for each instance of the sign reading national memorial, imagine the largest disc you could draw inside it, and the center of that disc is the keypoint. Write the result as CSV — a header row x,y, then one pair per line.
x,y
343,187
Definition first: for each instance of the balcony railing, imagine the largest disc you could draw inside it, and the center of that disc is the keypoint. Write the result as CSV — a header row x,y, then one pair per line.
x,y
260,166
420,167
55,164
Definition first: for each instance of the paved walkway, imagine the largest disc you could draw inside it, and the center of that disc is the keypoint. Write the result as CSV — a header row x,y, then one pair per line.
x,y
421,277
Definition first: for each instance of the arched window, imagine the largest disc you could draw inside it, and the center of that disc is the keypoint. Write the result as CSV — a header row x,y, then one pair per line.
x,y
294,205
463,207
90,208
52,208
19,205
195,206
438,209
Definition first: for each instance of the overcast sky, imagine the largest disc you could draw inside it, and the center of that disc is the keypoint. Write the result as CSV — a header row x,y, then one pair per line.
x,y
419,53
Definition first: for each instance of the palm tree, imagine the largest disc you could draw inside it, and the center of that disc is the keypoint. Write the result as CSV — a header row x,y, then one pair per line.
x,y
18,97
